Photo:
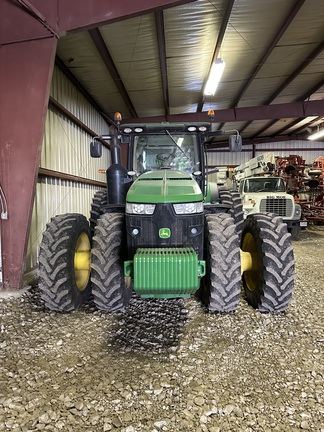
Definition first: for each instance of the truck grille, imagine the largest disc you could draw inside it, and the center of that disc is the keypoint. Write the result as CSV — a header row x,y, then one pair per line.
x,y
282,207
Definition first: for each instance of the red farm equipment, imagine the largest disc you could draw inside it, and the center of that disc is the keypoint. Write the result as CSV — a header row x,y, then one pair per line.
x,y
306,183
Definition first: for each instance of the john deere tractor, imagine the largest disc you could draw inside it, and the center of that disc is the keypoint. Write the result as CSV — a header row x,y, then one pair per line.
x,y
162,230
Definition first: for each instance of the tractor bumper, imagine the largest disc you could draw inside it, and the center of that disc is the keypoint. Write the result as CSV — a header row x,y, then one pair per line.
x,y
165,272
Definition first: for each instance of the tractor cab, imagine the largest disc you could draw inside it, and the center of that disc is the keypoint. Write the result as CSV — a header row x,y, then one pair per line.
x,y
177,148
166,146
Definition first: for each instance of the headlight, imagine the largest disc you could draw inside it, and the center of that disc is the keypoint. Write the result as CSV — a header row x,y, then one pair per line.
x,y
188,208
298,210
133,208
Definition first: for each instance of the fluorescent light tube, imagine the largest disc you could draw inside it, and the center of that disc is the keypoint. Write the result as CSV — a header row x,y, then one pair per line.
x,y
215,74
316,135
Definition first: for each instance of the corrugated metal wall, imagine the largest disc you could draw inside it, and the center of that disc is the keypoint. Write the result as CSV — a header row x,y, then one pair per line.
x,y
66,149
309,151
228,159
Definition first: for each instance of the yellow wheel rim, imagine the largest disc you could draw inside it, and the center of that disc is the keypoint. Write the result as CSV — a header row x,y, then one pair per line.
x,y
82,258
249,262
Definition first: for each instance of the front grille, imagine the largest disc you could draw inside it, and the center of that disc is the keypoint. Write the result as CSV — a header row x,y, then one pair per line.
x,y
164,217
282,207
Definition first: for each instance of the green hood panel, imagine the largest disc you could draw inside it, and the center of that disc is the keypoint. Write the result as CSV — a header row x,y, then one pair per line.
x,y
164,186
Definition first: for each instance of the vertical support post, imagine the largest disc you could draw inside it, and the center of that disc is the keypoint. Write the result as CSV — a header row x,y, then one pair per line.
x,y
25,77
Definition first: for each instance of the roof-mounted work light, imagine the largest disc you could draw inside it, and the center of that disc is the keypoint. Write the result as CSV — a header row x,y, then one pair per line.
x,y
215,75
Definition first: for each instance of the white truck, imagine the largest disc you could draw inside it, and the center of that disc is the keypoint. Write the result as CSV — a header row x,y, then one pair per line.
x,y
262,192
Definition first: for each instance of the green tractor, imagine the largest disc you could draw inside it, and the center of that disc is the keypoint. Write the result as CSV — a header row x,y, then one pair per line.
x,y
163,230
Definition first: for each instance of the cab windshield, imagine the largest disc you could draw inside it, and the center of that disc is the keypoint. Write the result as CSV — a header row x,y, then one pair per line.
x,y
264,184
177,151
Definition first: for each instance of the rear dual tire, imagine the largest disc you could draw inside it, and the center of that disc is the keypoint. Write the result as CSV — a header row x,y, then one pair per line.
x,y
233,198
269,286
64,262
99,201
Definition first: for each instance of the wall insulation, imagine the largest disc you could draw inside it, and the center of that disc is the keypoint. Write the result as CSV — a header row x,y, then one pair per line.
x,y
66,149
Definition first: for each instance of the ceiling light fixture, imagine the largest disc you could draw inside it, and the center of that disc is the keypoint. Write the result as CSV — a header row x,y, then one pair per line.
x,y
316,135
215,75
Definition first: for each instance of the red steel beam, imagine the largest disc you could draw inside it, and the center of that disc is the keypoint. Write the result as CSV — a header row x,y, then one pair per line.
x,y
25,77
86,14
264,112
21,21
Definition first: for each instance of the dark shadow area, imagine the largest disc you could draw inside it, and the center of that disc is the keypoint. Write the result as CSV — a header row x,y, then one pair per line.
x,y
150,326
33,298
147,326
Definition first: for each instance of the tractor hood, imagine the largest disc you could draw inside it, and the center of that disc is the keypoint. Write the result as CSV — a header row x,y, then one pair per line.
x,y
164,186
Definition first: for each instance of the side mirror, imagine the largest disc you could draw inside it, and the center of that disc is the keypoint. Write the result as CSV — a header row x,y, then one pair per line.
x,y
235,143
96,149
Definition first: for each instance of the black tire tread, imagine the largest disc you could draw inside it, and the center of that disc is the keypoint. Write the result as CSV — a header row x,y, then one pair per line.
x,y
107,277
56,277
277,262
233,198
98,202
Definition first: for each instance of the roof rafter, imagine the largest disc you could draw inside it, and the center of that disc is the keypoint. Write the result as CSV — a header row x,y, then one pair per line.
x,y
291,15
315,53
159,22
111,67
291,77
304,97
306,125
67,72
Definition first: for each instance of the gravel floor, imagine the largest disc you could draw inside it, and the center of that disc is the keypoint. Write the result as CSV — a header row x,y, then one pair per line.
x,y
167,365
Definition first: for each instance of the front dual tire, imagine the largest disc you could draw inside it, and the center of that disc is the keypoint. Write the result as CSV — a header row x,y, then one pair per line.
x,y
109,288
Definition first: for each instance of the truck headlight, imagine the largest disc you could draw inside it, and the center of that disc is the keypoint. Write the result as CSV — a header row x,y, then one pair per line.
x,y
298,210
134,208
189,208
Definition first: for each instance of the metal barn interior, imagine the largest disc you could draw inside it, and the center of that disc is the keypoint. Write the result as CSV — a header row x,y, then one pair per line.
x,y
66,66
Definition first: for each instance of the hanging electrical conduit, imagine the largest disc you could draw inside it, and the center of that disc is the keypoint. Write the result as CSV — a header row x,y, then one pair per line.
x,y
4,215
4,206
